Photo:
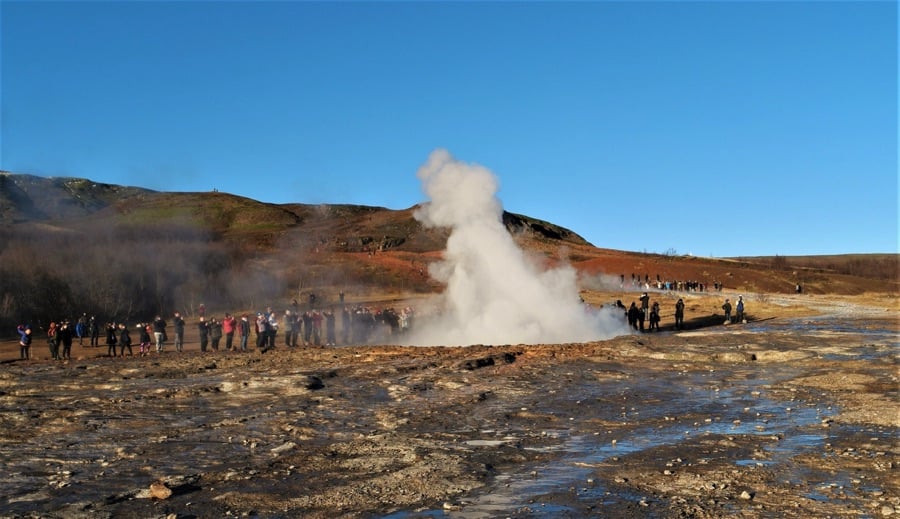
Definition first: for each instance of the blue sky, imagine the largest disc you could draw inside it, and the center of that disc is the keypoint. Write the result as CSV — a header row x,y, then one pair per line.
x,y
712,128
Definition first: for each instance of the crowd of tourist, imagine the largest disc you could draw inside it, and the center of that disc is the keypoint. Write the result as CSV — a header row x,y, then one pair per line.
x,y
684,285
291,328
638,315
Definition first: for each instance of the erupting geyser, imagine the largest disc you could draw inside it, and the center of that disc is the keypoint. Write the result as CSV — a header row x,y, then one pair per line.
x,y
494,294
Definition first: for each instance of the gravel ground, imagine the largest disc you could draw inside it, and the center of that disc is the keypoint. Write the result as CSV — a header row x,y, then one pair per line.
x,y
791,415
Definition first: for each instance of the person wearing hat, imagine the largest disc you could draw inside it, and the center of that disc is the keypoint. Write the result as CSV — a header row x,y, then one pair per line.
x,y
727,308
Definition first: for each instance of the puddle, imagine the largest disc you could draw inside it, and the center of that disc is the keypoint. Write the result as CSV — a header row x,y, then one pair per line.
x,y
740,409
516,490
828,326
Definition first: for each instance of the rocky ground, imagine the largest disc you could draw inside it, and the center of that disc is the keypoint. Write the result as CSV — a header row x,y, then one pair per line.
x,y
794,414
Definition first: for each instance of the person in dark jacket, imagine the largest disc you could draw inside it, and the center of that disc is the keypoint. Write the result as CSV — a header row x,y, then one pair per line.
x,y
159,333
203,328
679,314
244,326
111,339
124,341
641,316
215,333
65,340
633,312
95,331
145,338
178,323
654,316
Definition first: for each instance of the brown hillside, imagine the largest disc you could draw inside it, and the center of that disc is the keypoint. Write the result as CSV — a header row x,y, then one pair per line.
x,y
325,246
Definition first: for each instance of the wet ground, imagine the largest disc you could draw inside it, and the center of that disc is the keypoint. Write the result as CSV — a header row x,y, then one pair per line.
x,y
789,417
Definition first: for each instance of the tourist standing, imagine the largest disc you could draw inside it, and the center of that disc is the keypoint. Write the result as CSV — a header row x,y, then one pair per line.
x,y
124,341
178,324
203,329
632,314
53,340
159,332
272,329
645,304
262,332
228,326
95,331
654,316
144,338
65,340
307,327
679,314
24,331
244,330
330,336
111,339
215,333
81,328
290,329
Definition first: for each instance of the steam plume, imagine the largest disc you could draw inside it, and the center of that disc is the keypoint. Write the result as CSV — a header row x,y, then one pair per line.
x,y
494,294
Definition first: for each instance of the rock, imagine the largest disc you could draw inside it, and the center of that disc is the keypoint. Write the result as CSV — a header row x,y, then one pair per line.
x,y
478,363
283,448
313,383
887,510
746,495
159,490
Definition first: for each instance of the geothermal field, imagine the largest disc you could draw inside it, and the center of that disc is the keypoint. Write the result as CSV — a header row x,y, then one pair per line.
x,y
782,417
518,391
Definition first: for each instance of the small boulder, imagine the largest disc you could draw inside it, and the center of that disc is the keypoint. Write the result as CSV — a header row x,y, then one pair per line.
x,y
159,490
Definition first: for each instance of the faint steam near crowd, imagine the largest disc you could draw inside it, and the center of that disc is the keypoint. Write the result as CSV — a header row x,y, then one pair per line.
x,y
494,294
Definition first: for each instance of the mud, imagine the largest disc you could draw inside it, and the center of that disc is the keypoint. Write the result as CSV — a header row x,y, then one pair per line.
x,y
782,417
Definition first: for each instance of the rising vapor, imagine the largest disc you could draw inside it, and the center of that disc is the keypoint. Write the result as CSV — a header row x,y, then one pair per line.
x,y
494,294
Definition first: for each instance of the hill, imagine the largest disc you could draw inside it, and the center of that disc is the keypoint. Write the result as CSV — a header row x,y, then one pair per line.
x,y
69,243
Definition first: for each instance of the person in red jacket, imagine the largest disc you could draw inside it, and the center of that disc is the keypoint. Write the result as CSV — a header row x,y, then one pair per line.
x,y
229,324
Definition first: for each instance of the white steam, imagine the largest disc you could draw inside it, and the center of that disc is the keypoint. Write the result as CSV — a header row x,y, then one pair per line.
x,y
494,295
